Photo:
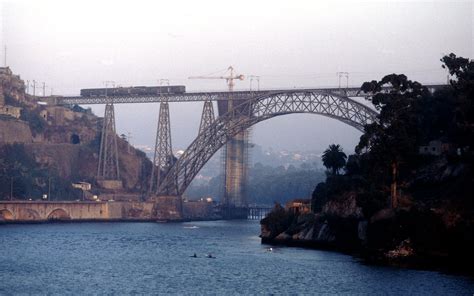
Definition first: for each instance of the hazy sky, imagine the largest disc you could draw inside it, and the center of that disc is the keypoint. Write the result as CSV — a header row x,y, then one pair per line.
x,y
78,44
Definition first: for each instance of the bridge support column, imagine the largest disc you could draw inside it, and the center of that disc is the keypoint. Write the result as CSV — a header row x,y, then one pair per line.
x,y
163,158
235,161
108,173
207,117
235,164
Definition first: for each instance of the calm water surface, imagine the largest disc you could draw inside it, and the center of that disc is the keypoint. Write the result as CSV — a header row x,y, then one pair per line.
x,y
153,258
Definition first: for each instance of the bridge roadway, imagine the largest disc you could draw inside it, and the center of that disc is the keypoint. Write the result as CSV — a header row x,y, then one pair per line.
x,y
206,96
193,96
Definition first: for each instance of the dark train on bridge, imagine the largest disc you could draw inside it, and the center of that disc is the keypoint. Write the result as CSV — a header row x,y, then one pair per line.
x,y
133,90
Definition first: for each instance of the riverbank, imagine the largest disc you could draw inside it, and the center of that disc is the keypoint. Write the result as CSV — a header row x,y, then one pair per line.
x,y
403,238
164,208
441,263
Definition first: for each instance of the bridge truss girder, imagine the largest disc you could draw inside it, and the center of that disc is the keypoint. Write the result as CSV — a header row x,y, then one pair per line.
x,y
252,111
198,96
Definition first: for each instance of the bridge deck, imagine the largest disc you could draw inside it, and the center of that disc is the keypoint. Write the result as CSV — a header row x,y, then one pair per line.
x,y
192,96
204,96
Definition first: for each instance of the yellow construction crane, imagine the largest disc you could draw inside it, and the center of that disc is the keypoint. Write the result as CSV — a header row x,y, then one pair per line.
x,y
229,78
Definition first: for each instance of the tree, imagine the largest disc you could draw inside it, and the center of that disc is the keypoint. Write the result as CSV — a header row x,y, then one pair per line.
x,y
393,139
334,158
462,71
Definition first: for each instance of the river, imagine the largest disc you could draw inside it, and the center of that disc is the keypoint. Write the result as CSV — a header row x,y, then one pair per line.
x,y
152,258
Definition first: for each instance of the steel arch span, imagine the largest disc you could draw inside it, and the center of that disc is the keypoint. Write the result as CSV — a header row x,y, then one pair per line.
x,y
252,111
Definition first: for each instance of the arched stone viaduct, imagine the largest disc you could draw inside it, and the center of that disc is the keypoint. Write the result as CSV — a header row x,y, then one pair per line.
x,y
42,211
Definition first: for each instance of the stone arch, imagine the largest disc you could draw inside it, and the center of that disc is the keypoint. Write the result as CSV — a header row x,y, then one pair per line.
x,y
255,110
59,215
75,139
6,215
32,215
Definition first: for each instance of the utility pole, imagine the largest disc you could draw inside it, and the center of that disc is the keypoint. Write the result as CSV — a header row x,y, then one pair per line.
x,y
27,86
164,82
49,187
341,75
256,78
44,90
5,57
107,82
51,91
34,87
11,188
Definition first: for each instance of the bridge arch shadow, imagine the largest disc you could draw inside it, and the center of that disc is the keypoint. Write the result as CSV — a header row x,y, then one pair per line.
x,y
59,215
249,113
6,215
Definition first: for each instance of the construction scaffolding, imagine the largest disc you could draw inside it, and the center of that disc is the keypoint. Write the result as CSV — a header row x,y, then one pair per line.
x,y
234,164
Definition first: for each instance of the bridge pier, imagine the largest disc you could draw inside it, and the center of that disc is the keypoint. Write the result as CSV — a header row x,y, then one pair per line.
x,y
207,117
108,174
163,157
235,161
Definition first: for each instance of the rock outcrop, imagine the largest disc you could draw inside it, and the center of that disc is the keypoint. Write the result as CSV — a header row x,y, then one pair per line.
x,y
57,142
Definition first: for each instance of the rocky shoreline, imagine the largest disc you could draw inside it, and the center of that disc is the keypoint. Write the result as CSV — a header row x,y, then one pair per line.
x,y
381,240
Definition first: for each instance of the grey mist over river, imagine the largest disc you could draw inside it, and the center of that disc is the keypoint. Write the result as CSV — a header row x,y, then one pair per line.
x,y
152,258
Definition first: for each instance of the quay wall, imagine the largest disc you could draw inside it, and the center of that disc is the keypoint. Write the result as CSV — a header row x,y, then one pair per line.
x,y
42,211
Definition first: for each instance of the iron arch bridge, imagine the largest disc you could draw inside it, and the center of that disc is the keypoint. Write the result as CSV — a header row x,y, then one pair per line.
x,y
255,110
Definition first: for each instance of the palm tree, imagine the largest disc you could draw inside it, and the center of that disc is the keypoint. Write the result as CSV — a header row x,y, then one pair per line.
x,y
334,159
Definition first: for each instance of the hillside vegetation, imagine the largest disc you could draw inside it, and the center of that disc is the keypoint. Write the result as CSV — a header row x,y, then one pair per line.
x,y
407,194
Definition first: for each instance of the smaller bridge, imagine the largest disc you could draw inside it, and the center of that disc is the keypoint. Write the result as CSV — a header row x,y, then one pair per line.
x,y
38,211
256,212
44,211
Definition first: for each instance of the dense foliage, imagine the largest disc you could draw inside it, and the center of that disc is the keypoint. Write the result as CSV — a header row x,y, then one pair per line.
x,y
334,159
22,178
387,160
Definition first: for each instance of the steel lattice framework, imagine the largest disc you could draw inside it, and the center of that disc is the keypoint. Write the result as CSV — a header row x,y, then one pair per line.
x,y
108,168
163,157
252,111
195,96
207,96
207,117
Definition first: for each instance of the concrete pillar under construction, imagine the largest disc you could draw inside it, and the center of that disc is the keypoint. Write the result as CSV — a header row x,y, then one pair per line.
x,y
235,171
235,157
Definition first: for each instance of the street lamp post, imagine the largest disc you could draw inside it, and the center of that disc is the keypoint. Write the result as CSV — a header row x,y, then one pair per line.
x,y
11,189
49,187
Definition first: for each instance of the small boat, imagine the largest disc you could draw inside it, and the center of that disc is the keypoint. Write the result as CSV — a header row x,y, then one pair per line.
x,y
191,227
